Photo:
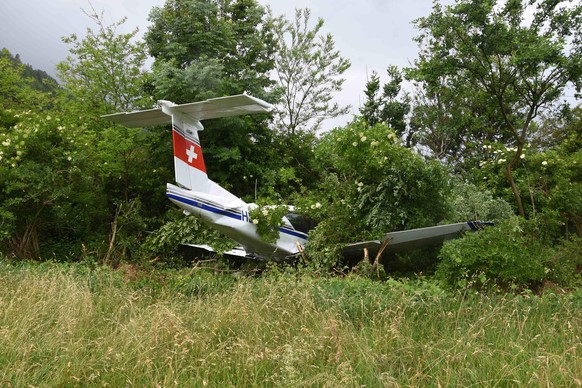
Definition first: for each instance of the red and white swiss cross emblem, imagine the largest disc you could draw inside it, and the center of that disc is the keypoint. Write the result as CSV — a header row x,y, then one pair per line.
x,y
188,151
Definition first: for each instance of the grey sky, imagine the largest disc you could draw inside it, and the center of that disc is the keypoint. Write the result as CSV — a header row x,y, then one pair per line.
x,y
372,34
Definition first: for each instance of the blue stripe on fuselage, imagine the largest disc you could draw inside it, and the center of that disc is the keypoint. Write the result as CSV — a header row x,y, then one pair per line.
x,y
293,233
228,213
205,206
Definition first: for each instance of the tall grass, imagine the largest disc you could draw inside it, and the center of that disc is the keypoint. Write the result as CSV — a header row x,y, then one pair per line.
x,y
72,325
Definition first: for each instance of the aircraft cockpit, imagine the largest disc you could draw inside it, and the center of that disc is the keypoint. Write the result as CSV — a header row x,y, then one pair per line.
x,y
301,223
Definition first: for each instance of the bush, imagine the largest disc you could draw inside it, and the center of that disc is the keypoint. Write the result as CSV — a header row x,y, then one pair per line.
x,y
371,185
471,203
515,254
164,242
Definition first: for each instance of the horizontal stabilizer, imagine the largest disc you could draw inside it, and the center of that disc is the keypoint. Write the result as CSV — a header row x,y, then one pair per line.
x,y
203,110
141,118
223,107
412,239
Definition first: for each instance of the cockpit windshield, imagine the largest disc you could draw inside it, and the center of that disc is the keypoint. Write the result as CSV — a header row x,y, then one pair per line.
x,y
301,223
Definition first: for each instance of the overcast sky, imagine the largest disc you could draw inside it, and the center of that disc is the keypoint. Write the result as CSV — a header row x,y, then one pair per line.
x,y
372,34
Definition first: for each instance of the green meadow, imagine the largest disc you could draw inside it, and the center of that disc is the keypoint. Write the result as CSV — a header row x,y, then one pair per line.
x,y
77,325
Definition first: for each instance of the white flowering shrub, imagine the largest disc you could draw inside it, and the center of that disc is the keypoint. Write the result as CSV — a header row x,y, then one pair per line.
x,y
268,219
370,185
549,182
42,185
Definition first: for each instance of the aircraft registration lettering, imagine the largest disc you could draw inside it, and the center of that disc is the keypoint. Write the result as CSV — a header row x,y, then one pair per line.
x,y
244,215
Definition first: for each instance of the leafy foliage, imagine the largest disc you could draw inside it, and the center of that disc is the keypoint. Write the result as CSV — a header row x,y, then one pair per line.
x,y
45,190
268,219
551,179
386,107
308,70
229,38
372,185
183,230
513,254
491,56
105,68
470,202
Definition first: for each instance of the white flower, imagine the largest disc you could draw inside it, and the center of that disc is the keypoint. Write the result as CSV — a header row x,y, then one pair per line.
x,y
69,158
545,163
360,184
374,143
482,163
355,143
363,139
501,161
317,205
255,221
265,212
522,156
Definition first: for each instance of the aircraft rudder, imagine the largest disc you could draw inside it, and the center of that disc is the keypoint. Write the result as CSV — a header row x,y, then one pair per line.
x,y
190,169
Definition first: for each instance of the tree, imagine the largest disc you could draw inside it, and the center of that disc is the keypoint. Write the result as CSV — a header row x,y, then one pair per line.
x,y
65,175
308,69
105,70
454,126
494,56
16,89
211,48
104,73
386,107
47,194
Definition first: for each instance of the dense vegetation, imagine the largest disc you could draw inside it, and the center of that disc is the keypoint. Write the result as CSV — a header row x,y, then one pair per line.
x,y
483,134
94,293
73,325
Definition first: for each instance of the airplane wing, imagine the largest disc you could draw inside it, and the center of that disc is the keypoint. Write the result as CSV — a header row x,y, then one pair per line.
x,y
411,239
210,109
199,251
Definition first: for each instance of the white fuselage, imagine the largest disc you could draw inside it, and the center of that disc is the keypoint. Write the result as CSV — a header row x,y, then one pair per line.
x,y
231,217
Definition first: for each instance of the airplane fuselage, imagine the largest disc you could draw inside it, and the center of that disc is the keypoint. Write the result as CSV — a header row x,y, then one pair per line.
x,y
235,222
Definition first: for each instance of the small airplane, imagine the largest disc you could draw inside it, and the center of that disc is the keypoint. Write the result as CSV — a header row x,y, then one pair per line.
x,y
197,195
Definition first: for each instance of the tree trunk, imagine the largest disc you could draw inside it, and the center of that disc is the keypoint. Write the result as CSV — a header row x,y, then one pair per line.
x,y
509,177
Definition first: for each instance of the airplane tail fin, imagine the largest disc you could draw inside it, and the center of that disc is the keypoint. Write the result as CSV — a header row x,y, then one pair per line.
x,y
190,169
